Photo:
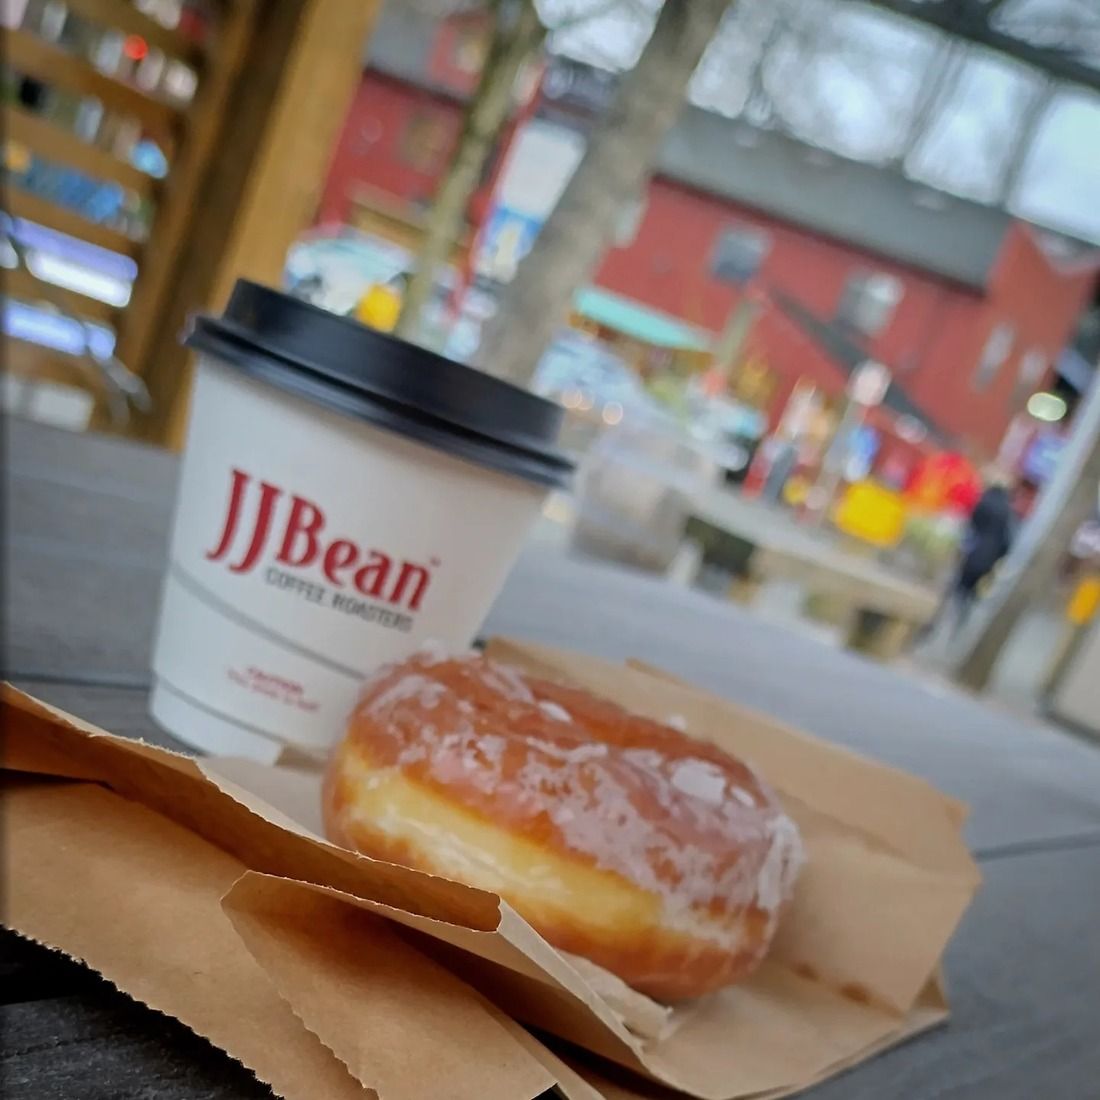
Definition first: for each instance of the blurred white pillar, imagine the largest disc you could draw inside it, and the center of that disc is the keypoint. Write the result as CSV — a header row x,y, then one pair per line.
x,y
1030,569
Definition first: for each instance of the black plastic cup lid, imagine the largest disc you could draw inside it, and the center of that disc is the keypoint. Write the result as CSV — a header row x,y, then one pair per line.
x,y
371,376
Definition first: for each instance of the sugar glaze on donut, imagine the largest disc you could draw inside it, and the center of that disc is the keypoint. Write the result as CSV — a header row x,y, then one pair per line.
x,y
657,856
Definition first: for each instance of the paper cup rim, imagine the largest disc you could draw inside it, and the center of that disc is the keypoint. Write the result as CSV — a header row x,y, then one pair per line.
x,y
338,364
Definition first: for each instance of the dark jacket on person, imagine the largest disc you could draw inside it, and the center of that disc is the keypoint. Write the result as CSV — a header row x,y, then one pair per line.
x,y
988,537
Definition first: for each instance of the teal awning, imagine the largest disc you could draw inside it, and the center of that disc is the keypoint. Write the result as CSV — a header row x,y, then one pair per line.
x,y
639,321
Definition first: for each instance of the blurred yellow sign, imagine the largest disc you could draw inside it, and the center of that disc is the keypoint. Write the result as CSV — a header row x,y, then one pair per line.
x,y
871,512
379,307
1084,602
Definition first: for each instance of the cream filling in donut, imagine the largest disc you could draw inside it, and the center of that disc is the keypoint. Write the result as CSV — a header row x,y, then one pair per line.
x,y
549,888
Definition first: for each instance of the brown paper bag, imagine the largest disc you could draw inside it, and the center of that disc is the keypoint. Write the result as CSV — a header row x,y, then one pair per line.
x,y
854,969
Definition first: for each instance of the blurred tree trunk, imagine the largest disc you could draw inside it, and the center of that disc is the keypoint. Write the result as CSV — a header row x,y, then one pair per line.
x,y
938,83
612,173
1029,573
516,36
1027,129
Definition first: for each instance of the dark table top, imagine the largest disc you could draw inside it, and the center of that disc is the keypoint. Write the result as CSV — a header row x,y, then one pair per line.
x,y
86,523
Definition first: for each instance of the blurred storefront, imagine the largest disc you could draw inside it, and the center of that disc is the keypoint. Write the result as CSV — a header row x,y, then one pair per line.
x,y
650,340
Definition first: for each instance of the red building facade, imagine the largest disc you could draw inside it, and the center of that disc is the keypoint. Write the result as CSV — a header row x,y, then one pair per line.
x,y
396,139
933,338
965,350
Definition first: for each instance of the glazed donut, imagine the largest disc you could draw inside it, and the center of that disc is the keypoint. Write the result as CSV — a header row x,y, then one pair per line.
x,y
656,856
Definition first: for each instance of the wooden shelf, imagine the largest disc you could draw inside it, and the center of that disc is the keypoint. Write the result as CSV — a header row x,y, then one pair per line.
x,y
19,283
31,56
22,204
39,364
63,147
122,15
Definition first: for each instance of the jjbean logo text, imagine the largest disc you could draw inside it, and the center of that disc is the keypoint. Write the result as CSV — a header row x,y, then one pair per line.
x,y
299,540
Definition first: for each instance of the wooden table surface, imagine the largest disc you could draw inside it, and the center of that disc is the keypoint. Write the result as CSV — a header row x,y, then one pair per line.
x,y
86,527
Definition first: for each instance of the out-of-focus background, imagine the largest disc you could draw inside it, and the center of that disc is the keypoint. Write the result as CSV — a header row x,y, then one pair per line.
x,y
815,281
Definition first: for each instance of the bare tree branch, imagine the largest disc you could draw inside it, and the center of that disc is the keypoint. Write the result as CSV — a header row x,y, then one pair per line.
x,y
939,83
515,40
1028,127
614,169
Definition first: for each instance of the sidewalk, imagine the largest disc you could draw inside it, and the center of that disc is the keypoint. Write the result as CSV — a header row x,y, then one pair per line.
x,y
1025,662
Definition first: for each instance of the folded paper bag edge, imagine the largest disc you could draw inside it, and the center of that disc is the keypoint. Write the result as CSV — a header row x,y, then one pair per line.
x,y
225,814
63,899
709,1081
30,705
929,1012
569,1083
548,966
392,1015
159,1009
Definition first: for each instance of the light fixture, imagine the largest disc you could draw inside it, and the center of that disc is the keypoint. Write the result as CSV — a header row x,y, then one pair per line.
x,y
1048,407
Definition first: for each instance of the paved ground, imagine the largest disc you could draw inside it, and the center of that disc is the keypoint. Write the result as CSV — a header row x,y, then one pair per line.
x,y
1019,675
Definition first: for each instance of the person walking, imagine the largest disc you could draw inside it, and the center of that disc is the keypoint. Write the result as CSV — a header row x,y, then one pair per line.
x,y
986,541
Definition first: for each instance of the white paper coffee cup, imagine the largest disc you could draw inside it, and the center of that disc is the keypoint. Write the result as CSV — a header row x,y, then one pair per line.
x,y
344,499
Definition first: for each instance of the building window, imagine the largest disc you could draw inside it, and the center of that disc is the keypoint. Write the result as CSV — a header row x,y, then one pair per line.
x,y
366,137
738,254
869,301
1033,365
424,141
628,220
998,347
468,50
